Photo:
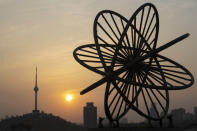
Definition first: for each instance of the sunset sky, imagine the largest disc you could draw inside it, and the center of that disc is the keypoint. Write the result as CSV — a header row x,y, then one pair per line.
x,y
44,33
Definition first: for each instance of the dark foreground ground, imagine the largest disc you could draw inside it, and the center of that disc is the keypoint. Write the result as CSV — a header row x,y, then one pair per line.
x,y
143,129
48,122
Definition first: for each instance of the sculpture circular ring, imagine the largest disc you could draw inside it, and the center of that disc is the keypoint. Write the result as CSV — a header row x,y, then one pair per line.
x,y
125,54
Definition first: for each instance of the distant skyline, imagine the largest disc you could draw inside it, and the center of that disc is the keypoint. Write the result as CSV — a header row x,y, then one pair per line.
x,y
45,33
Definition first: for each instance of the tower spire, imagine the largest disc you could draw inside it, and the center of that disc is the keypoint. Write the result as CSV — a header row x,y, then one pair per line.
x,y
36,90
36,84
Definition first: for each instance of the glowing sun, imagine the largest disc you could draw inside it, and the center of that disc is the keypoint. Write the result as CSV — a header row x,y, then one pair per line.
x,y
68,97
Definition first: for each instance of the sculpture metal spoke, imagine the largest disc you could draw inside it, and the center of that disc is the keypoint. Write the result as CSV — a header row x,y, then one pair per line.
x,y
125,53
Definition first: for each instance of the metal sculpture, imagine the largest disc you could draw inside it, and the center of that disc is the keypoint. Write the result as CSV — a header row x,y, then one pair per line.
x,y
136,75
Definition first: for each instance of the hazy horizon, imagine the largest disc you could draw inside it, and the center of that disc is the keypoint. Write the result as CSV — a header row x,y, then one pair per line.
x,y
45,33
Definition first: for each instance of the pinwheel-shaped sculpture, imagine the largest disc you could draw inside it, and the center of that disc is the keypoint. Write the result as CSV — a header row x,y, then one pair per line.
x,y
125,53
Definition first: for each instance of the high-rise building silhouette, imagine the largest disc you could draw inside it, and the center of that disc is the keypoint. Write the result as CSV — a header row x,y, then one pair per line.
x,y
178,115
90,115
36,93
195,110
153,112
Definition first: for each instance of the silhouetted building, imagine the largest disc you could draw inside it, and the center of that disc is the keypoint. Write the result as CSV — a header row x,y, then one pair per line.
x,y
152,110
36,95
124,121
178,114
195,110
90,115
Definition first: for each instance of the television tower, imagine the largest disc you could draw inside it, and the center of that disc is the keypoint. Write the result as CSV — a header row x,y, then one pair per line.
x,y
36,91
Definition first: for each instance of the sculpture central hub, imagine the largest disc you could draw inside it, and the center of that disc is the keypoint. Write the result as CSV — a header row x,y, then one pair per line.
x,y
137,67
